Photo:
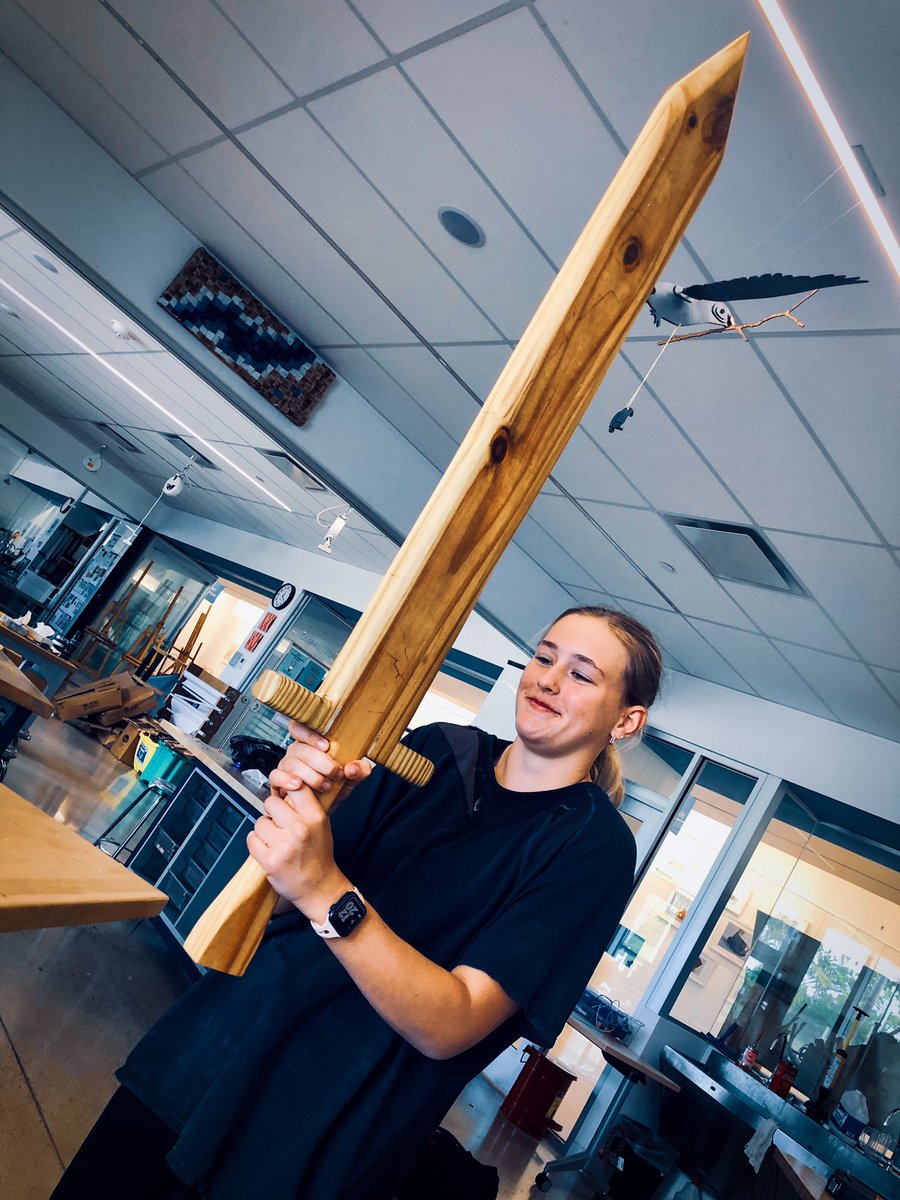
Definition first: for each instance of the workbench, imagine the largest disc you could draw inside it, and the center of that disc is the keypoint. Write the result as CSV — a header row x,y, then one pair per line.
x,y
49,875
39,657
23,700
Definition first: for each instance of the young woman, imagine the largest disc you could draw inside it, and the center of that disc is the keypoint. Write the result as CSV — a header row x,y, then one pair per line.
x,y
420,931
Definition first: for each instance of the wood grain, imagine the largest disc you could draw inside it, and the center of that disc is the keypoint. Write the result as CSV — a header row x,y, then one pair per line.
x,y
388,662
49,875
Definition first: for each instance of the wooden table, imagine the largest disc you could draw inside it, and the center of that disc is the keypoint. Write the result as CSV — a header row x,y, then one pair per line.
x,y
17,688
49,875
633,1069
49,665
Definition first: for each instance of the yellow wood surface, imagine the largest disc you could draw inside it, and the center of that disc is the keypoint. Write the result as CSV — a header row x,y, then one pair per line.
x,y
15,686
390,658
32,647
51,876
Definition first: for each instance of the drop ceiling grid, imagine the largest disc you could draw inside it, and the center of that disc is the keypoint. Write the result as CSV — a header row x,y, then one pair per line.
x,y
296,152
334,43
733,411
759,660
521,117
850,689
480,366
431,386
226,177
396,144
651,541
867,614
790,618
581,539
48,385
235,85
394,403
64,79
653,454
551,557
401,27
243,253
851,399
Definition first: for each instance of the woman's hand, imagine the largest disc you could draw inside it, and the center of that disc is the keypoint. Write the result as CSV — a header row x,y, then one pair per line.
x,y
307,761
292,842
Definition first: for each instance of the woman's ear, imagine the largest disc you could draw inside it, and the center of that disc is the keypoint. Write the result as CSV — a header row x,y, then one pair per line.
x,y
631,722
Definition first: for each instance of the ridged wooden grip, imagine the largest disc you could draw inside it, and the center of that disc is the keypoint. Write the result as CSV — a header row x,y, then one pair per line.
x,y
291,698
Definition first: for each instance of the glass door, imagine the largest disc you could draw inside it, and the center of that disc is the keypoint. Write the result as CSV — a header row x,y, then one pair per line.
x,y
682,860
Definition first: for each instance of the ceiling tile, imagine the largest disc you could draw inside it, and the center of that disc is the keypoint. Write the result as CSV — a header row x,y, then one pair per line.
x,y
771,675
404,25
507,97
260,270
131,77
49,55
399,145
891,680
652,452
314,171
859,588
789,617
235,85
651,541
551,557
585,471
735,414
479,366
431,385
584,542
850,396
849,688
679,638
308,45
383,392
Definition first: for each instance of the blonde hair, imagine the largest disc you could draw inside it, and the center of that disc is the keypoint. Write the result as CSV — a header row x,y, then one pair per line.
x,y
640,684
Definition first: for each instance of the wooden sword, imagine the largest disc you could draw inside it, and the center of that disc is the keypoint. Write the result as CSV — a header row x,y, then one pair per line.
x,y
389,660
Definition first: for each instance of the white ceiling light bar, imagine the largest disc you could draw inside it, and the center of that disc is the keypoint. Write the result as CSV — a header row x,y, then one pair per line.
x,y
144,395
785,37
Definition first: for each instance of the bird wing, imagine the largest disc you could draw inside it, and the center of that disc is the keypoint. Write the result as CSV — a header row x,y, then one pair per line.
x,y
758,287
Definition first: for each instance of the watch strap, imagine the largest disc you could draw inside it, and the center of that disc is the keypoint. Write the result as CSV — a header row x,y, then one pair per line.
x,y
332,927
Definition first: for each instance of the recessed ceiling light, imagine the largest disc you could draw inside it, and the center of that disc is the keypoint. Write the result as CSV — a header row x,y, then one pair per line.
x,y
9,310
46,264
667,567
461,226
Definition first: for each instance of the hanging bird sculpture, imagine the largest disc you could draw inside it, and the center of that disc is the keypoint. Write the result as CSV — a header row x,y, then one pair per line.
x,y
706,303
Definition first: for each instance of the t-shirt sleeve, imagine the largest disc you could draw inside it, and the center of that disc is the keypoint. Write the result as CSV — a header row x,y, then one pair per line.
x,y
542,947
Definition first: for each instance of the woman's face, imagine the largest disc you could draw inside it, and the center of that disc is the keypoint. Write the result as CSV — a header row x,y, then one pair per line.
x,y
569,700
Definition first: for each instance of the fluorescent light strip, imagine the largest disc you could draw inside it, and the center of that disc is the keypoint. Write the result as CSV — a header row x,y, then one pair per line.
x,y
784,35
144,395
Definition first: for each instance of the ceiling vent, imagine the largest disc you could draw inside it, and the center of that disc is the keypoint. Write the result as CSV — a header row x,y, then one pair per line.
x,y
190,452
117,439
736,553
290,467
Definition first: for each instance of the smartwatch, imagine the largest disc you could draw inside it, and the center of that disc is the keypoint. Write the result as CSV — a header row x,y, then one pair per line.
x,y
343,916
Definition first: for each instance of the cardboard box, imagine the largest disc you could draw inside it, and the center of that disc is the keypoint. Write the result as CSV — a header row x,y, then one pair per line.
x,y
84,704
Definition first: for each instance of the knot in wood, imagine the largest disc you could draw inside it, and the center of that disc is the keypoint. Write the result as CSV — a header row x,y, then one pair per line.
x,y
718,122
631,255
499,446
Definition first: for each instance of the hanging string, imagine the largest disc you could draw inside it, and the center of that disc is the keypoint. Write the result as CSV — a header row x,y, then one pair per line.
x,y
630,403
787,217
822,230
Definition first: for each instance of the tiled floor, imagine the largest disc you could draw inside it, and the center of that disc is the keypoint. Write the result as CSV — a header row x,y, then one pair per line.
x,y
74,1001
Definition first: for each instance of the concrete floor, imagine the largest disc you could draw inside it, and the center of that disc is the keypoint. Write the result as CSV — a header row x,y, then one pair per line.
x,y
74,1001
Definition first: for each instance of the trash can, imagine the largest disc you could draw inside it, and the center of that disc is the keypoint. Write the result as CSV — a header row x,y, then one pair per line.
x,y
640,1160
533,1099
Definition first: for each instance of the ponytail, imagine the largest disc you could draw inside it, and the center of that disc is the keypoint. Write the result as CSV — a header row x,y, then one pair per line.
x,y
606,773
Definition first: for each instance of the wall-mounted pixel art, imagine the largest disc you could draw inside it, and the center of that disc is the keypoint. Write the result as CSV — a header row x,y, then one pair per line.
x,y
218,310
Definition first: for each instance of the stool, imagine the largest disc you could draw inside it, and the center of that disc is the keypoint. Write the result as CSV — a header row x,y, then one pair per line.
x,y
161,791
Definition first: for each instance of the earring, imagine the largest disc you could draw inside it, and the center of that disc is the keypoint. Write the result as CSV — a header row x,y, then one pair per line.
x,y
612,740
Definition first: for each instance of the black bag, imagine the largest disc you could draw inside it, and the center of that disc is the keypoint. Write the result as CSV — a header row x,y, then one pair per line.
x,y
446,1170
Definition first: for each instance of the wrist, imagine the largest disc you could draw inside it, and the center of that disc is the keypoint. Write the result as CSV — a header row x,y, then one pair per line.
x,y
316,906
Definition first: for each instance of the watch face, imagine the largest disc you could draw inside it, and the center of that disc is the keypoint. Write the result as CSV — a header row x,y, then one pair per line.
x,y
284,595
347,913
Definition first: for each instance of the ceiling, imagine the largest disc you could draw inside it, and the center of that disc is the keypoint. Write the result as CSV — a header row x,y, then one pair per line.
x,y
310,146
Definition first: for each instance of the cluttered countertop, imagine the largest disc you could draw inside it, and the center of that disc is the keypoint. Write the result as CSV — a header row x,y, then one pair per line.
x,y
819,1147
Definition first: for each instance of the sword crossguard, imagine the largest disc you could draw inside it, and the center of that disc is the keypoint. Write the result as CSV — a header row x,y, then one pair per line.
x,y
294,700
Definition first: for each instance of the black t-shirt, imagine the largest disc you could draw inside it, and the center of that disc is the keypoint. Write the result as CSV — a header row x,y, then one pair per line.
x,y
285,1084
